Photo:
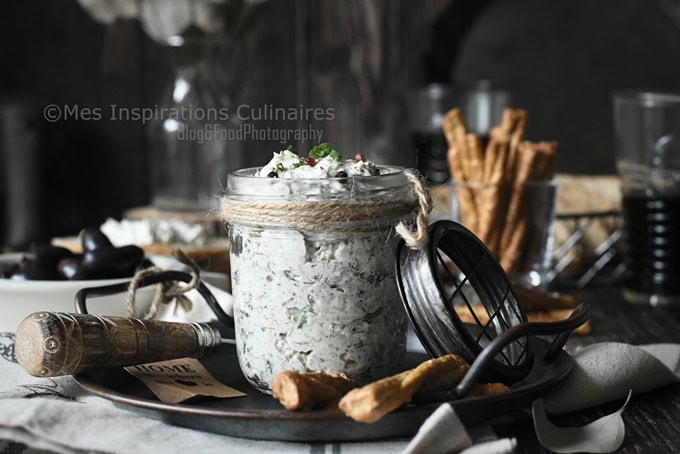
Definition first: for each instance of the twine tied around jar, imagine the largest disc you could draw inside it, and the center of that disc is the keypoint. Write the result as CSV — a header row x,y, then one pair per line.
x,y
339,216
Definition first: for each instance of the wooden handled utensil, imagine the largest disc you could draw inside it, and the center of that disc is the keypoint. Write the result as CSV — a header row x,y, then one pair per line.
x,y
50,344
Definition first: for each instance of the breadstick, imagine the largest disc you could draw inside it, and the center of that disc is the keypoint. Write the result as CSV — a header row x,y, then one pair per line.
x,y
484,389
517,231
536,300
494,149
516,224
537,164
507,125
454,157
465,197
474,158
543,170
491,199
501,153
373,401
519,123
553,315
478,315
510,132
557,315
545,166
454,127
466,163
516,138
306,390
455,131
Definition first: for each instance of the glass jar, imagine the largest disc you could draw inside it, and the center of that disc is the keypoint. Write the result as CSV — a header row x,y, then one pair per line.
x,y
312,263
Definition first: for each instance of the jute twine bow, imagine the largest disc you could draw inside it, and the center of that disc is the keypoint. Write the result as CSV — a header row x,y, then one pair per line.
x,y
418,238
339,216
165,291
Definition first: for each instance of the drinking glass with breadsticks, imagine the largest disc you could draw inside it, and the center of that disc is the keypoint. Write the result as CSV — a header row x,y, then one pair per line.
x,y
504,190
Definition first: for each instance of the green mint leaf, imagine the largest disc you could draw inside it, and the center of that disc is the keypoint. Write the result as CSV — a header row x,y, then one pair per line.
x,y
321,151
292,150
280,167
316,153
336,156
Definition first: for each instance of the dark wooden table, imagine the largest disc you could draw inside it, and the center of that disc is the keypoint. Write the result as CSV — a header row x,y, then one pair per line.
x,y
652,419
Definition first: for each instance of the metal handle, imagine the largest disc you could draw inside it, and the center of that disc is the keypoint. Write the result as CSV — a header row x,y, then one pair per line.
x,y
50,344
105,290
563,329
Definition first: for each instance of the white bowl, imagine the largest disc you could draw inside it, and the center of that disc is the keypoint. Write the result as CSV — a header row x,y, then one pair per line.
x,y
19,299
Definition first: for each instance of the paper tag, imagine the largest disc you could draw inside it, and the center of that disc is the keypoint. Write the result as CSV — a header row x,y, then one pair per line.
x,y
180,379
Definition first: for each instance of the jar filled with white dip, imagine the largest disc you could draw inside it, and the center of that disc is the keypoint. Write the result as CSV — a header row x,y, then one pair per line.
x,y
312,263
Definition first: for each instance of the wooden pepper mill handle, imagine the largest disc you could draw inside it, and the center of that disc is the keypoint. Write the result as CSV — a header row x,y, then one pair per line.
x,y
49,344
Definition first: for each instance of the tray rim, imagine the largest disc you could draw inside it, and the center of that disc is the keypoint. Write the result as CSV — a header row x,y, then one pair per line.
x,y
167,412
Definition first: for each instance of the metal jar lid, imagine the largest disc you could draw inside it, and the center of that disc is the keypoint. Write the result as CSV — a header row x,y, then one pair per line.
x,y
455,269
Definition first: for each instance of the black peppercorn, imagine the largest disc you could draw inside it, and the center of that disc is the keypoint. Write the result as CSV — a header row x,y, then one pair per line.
x,y
341,175
272,175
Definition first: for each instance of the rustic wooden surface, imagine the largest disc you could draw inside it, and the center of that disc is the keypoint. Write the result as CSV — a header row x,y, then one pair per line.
x,y
653,419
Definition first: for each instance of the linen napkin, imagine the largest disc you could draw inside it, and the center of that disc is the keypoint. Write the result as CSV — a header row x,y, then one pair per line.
x,y
601,373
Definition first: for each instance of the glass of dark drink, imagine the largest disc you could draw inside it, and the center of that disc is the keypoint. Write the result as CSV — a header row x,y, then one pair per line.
x,y
647,133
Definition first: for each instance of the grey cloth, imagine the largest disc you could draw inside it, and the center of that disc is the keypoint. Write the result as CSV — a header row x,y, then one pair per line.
x,y
608,371
603,373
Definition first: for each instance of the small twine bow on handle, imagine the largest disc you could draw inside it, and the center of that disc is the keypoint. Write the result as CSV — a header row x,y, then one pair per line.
x,y
165,291
418,238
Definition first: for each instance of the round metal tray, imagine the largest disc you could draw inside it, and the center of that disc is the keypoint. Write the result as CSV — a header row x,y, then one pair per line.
x,y
260,416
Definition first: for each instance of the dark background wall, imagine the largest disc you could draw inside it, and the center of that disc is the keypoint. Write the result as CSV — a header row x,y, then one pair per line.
x,y
560,60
